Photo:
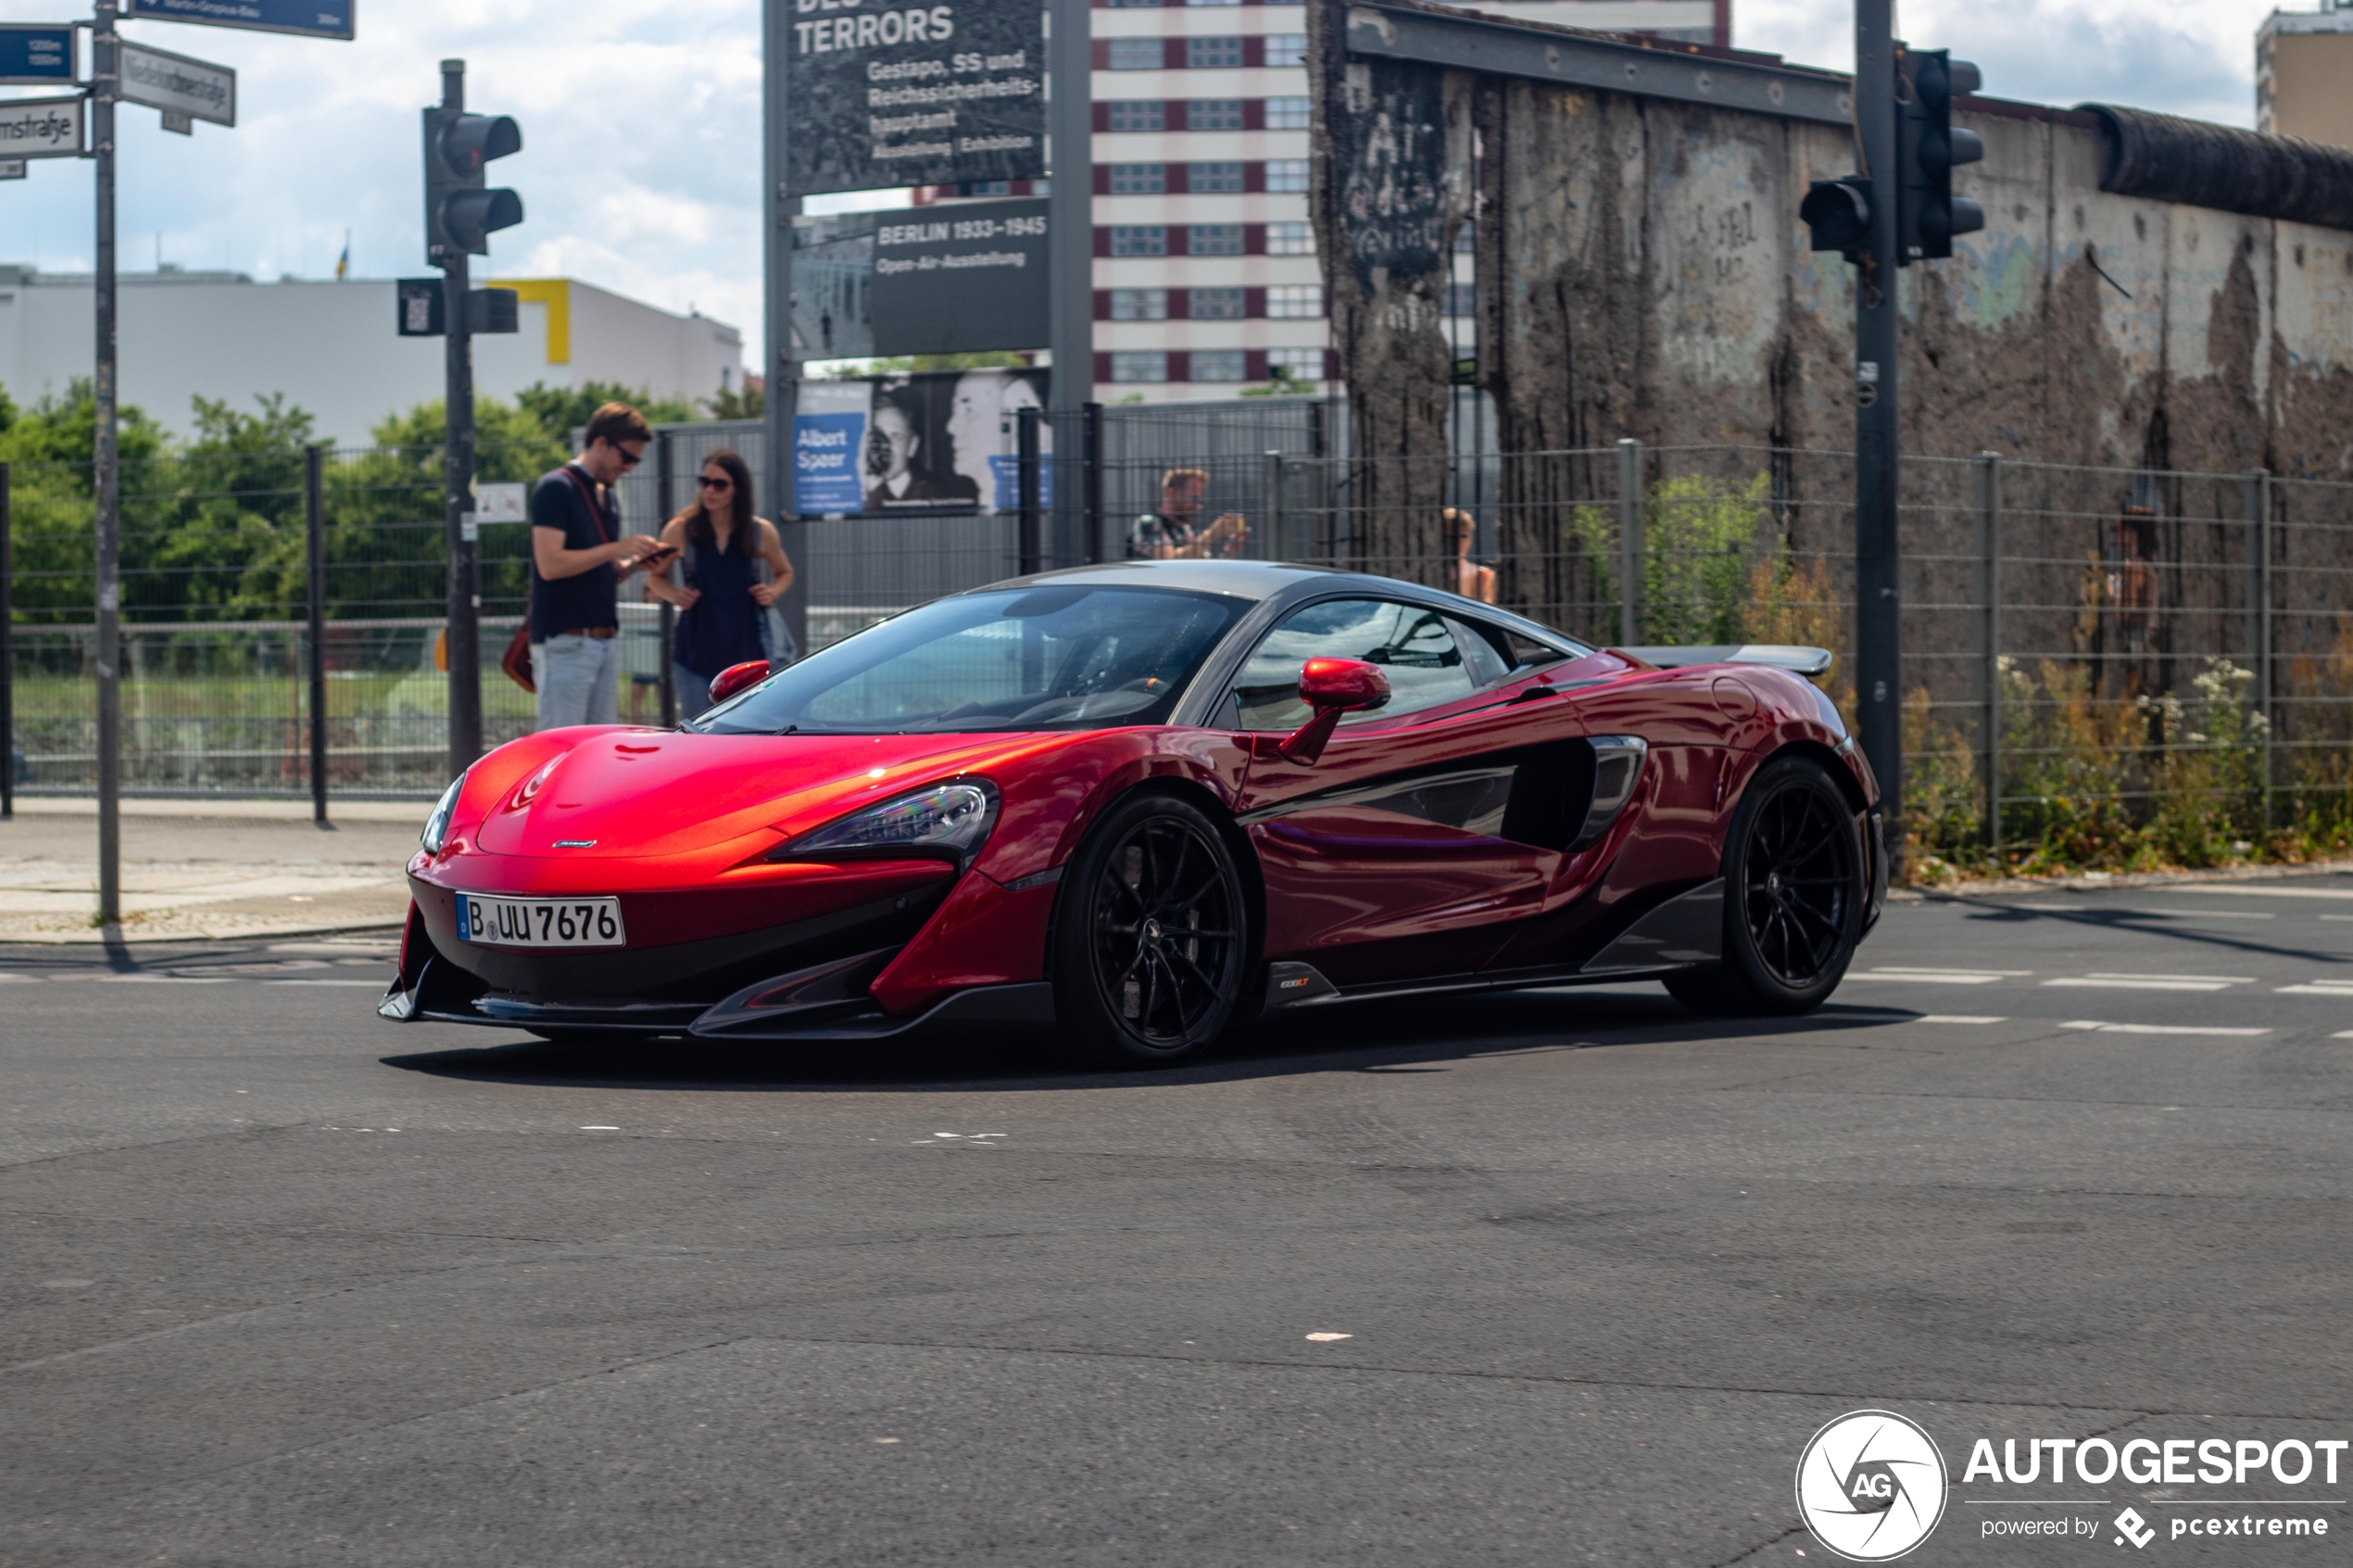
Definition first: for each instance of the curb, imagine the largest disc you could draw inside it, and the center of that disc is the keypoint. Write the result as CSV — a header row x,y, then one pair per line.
x,y
2092,881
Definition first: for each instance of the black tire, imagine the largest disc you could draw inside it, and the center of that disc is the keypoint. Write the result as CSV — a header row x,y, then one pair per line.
x,y
1794,898
1151,936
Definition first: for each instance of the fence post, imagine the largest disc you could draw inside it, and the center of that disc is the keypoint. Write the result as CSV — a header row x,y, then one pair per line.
x,y
1026,473
1989,596
1091,455
2260,493
1276,548
7,663
314,520
1629,541
666,618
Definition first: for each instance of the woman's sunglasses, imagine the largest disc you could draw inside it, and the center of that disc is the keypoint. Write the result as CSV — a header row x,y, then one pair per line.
x,y
709,484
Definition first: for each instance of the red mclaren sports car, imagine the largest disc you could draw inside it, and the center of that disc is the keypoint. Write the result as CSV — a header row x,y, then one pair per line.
x,y
1139,804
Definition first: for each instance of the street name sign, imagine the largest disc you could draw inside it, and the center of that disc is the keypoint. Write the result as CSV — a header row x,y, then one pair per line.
x,y
310,19
38,53
178,85
41,127
886,97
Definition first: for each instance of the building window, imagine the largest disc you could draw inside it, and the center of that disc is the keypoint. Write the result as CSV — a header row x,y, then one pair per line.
x,y
1287,174
1139,239
1139,304
1464,236
1215,239
1295,299
1216,305
1290,239
1139,114
1136,54
1286,48
1213,177
1213,54
1213,2
1138,364
1152,3
1295,364
1286,113
1138,179
986,188
1214,114
1462,299
1217,364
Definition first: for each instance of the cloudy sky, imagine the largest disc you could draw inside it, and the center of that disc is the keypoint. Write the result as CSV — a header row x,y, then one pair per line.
x,y
641,170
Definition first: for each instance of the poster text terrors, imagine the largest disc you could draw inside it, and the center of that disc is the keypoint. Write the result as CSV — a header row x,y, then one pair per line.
x,y
883,95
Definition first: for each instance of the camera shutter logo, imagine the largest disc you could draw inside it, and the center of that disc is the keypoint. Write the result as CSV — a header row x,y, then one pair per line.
x,y
1870,1486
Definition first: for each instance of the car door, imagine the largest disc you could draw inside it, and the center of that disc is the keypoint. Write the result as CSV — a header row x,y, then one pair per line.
x,y
1393,856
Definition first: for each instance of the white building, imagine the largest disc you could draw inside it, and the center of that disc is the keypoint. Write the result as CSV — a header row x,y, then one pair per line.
x,y
1205,272
332,348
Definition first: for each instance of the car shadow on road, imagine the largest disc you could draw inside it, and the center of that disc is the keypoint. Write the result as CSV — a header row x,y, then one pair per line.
x,y
1390,1036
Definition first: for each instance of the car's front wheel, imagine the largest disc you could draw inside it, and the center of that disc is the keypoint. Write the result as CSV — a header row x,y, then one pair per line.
x,y
1151,936
1794,898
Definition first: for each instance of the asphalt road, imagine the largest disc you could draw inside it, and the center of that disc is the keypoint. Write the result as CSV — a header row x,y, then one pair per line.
x,y
284,1285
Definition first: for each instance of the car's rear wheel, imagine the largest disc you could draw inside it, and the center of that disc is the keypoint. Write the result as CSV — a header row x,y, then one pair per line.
x,y
1151,936
1793,897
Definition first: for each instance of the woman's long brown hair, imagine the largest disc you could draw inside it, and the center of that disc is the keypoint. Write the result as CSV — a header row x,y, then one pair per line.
x,y
743,538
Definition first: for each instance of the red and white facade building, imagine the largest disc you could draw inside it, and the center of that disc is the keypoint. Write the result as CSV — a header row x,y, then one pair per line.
x,y
1206,280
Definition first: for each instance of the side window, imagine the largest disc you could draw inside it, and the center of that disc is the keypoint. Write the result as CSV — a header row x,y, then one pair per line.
x,y
1413,645
1487,665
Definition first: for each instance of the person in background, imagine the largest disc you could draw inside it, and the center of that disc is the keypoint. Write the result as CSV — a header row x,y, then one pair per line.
x,y
730,573
1171,534
578,557
1471,580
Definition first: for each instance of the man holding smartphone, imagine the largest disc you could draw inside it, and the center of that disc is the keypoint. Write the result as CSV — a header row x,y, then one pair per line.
x,y
578,558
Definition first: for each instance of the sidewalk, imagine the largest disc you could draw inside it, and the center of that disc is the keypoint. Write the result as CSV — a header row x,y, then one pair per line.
x,y
240,870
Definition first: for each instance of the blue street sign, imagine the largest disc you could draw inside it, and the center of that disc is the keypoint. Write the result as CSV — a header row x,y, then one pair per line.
x,y
311,18
42,53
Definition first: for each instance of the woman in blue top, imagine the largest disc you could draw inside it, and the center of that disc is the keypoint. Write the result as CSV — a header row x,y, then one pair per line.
x,y
730,573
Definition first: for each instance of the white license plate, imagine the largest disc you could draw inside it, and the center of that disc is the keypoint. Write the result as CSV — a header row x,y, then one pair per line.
x,y
540,923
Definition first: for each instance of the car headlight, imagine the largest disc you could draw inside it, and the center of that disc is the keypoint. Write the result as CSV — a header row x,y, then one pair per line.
x,y
947,822
436,832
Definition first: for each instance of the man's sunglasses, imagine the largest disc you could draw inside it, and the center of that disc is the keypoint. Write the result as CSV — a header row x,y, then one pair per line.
x,y
629,459
709,484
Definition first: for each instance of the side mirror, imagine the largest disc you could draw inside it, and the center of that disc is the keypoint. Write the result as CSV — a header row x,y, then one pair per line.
x,y
736,678
1331,686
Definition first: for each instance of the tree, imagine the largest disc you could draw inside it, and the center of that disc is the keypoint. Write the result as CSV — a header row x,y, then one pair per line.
x,y
749,403
560,410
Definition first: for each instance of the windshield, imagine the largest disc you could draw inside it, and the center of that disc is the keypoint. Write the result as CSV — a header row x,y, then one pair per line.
x,y
1035,659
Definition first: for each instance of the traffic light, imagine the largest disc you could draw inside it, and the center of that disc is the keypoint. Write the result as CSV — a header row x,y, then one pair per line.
x,y
1839,212
1927,148
461,213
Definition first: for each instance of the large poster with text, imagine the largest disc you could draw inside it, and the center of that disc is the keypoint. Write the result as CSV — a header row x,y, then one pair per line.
x,y
880,95
939,442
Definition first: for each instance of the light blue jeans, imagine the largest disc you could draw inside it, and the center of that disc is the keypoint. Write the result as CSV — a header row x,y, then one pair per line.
x,y
579,680
694,692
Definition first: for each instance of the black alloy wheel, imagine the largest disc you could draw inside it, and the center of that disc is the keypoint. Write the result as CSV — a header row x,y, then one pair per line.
x,y
1150,936
1793,897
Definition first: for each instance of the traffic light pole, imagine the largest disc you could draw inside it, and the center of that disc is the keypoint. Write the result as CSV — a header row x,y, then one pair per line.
x,y
1070,239
457,482
1877,637
781,395
107,480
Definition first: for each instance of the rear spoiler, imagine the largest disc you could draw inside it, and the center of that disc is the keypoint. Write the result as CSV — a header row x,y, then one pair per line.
x,y
1780,655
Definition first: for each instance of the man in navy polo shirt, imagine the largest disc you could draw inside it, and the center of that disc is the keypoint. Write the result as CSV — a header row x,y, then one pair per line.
x,y
578,558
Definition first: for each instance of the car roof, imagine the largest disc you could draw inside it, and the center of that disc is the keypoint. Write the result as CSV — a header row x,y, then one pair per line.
x,y
1237,579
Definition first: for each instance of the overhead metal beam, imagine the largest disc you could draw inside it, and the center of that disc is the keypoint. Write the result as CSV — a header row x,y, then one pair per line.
x,y
1541,54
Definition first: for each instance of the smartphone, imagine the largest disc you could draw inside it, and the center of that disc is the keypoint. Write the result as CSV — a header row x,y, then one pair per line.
x,y
659,556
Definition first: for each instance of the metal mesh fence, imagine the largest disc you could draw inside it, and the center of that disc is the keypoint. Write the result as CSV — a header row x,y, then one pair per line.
x,y
2117,647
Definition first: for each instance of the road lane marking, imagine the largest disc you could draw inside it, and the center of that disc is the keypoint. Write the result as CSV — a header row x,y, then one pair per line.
x,y
1943,977
2317,988
2153,981
1955,1018
371,985
2275,892
2097,1026
2207,914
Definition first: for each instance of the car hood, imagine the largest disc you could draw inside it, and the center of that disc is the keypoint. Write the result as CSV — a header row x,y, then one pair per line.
x,y
640,792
